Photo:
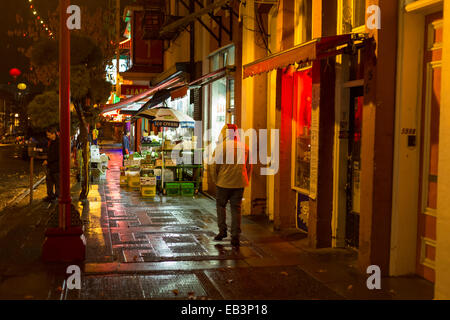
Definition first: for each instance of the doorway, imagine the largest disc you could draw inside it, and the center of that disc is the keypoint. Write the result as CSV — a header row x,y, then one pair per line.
x,y
429,152
353,186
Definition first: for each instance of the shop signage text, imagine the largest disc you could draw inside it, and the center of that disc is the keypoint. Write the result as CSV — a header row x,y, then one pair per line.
x,y
130,90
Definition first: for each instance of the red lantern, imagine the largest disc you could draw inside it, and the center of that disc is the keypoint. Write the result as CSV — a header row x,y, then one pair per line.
x,y
14,72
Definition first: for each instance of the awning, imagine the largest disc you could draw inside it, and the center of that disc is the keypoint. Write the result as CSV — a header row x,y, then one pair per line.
x,y
137,101
212,76
183,22
316,49
178,69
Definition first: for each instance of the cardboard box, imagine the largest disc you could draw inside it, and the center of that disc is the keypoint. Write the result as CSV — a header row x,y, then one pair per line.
x,y
132,163
134,181
148,181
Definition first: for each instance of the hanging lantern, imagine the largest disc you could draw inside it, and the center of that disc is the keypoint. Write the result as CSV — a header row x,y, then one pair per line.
x,y
21,86
14,72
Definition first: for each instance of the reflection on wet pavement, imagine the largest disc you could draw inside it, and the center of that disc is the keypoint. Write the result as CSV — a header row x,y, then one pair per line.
x,y
156,230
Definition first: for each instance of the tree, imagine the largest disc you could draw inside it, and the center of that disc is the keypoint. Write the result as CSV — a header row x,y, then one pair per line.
x,y
92,49
43,110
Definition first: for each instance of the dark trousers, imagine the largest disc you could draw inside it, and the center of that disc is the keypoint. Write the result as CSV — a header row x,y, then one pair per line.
x,y
52,180
235,197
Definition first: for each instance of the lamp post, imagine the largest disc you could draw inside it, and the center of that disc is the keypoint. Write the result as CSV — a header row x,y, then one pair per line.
x,y
65,243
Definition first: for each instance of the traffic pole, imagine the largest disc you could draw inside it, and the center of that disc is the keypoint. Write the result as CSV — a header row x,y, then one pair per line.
x,y
65,243
31,178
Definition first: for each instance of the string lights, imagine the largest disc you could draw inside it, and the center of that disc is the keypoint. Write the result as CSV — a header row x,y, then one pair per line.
x,y
40,19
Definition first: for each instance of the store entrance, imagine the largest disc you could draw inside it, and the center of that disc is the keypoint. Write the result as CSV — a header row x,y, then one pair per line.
x,y
353,186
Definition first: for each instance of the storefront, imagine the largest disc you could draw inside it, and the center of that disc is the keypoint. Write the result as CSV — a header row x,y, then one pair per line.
x,y
305,118
219,104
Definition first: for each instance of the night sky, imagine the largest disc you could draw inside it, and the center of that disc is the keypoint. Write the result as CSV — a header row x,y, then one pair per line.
x,y
10,57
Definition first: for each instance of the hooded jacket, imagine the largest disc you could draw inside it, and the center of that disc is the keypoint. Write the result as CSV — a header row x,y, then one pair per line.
x,y
231,166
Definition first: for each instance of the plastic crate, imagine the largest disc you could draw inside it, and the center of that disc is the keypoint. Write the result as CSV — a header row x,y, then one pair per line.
x,y
187,189
148,191
172,188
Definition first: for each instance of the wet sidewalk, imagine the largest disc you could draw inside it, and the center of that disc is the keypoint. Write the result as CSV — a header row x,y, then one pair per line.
x,y
163,248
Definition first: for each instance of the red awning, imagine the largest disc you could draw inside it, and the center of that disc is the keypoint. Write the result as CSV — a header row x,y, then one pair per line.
x,y
139,97
309,51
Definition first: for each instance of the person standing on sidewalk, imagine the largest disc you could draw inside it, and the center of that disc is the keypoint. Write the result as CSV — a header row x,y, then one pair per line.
x,y
231,172
52,165
95,135
125,144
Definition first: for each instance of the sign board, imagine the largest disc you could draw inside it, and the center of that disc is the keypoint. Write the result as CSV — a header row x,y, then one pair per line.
x,y
146,52
95,154
131,90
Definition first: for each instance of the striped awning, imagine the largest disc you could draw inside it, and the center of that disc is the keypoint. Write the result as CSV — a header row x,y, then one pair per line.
x,y
309,51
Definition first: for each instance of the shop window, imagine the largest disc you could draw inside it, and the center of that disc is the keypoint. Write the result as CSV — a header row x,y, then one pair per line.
x,y
303,21
359,13
218,107
302,102
221,93
354,15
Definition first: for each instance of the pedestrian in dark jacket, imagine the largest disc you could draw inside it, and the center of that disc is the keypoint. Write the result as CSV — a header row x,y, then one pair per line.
x,y
126,144
52,165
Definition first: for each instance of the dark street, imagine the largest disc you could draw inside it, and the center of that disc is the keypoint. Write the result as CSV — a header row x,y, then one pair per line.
x,y
15,172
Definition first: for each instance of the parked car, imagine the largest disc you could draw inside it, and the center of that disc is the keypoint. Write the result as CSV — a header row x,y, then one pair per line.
x,y
8,138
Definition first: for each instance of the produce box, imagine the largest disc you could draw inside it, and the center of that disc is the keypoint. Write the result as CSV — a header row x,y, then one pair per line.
x,y
148,181
134,181
148,191
123,180
170,162
132,163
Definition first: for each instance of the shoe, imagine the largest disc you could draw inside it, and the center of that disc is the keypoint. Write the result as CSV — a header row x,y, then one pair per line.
x,y
235,242
220,236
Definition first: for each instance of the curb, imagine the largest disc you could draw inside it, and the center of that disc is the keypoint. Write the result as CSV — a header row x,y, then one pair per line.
x,y
26,192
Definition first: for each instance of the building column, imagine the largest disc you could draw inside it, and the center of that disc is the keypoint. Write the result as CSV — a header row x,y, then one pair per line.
x,y
253,115
442,285
321,208
323,104
377,152
284,200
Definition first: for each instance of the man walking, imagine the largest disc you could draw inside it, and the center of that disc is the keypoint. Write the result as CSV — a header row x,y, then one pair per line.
x,y
52,165
231,172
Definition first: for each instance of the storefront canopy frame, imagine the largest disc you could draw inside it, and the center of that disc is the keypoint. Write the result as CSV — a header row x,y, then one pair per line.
x,y
144,95
316,49
212,76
